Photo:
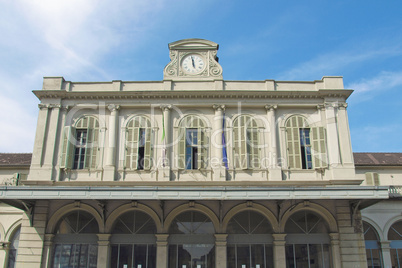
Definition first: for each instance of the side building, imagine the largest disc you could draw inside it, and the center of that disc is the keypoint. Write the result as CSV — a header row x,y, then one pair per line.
x,y
192,171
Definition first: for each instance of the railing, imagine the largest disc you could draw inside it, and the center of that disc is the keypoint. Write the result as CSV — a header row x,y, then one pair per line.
x,y
395,191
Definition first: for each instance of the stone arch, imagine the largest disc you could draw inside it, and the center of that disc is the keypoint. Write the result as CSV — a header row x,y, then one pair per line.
x,y
191,207
376,227
152,121
318,209
130,207
2,233
388,225
55,218
254,207
11,230
286,117
178,121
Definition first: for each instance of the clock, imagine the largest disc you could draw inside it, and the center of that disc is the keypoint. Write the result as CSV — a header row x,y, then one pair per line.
x,y
193,64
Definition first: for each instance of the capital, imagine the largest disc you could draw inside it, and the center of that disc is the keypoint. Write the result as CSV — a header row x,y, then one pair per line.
x,y
270,107
51,106
321,107
113,107
218,107
43,106
343,105
166,107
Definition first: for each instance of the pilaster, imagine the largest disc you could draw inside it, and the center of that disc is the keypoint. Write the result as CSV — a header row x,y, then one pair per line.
x,y
220,250
279,250
332,138
271,138
386,253
103,251
166,153
162,250
219,170
344,136
41,128
335,250
110,167
47,254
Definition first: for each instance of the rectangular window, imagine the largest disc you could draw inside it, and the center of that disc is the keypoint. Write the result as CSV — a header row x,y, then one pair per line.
x,y
305,147
191,148
80,147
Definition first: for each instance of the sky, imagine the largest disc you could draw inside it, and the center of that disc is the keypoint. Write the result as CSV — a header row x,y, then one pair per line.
x,y
105,40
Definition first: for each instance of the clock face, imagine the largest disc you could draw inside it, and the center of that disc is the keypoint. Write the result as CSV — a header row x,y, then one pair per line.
x,y
193,64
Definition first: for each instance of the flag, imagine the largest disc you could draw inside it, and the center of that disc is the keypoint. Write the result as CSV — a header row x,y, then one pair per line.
x,y
224,152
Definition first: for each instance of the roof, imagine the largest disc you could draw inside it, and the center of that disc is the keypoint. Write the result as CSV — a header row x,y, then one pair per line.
x,y
361,159
378,159
20,159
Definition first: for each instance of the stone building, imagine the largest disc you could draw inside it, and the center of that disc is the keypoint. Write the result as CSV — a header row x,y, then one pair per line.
x,y
193,171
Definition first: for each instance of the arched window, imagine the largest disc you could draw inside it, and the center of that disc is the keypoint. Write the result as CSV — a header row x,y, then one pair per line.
x,y
13,250
80,144
76,241
249,241
191,241
193,143
306,145
373,250
246,143
133,241
139,147
307,241
395,236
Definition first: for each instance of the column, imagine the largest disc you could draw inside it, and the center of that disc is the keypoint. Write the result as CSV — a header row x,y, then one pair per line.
x,y
332,136
161,250
335,250
279,250
386,253
103,251
58,174
219,171
47,255
166,153
220,250
344,136
110,167
271,160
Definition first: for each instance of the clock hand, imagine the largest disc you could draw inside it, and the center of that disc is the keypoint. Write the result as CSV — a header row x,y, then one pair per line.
x,y
192,60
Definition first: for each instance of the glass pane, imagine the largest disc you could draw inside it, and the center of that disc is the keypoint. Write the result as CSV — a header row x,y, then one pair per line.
x,y
77,222
249,222
374,259
125,256
231,256
396,257
114,258
140,256
269,256
151,256
395,232
301,255
243,256
257,256
192,223
289,256
172,260
134,222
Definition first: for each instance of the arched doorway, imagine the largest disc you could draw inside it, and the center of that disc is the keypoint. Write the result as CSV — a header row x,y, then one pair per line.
x,y
373,250
395,236
191,241
13,250
133,242
249,242
307,241
75,242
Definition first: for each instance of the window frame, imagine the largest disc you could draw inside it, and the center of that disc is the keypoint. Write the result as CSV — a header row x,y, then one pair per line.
x,y
246,143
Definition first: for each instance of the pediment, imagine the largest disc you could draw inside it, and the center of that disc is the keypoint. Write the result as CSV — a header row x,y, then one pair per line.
x,y
193,43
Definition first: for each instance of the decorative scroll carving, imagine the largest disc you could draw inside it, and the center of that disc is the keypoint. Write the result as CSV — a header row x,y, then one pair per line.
x,y
219,107
165,107
113,107
171,68
215,68
270,107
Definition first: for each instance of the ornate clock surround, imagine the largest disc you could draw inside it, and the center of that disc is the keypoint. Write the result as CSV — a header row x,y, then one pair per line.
x,y
205,49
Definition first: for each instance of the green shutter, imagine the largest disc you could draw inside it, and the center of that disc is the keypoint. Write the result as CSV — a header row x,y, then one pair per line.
x,y
319,147
243,144
182,148
66,156
147,149
293,141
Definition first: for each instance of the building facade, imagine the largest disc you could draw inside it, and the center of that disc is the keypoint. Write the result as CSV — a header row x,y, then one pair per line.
x,y
192,171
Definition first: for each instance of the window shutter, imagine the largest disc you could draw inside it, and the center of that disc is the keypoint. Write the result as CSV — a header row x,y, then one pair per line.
x,y
182,148
293,143
89,149
243,144
236,144
147,149
372,179
319,147
67,147
200,148
254,150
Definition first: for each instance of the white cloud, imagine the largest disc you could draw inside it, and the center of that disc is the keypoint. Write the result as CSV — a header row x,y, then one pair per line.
x,y
383,81
334,63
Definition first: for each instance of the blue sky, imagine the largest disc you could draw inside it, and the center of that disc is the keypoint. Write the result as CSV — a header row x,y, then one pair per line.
x,y
104,40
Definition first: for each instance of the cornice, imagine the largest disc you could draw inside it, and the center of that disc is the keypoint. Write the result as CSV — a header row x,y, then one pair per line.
x,y
204,94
